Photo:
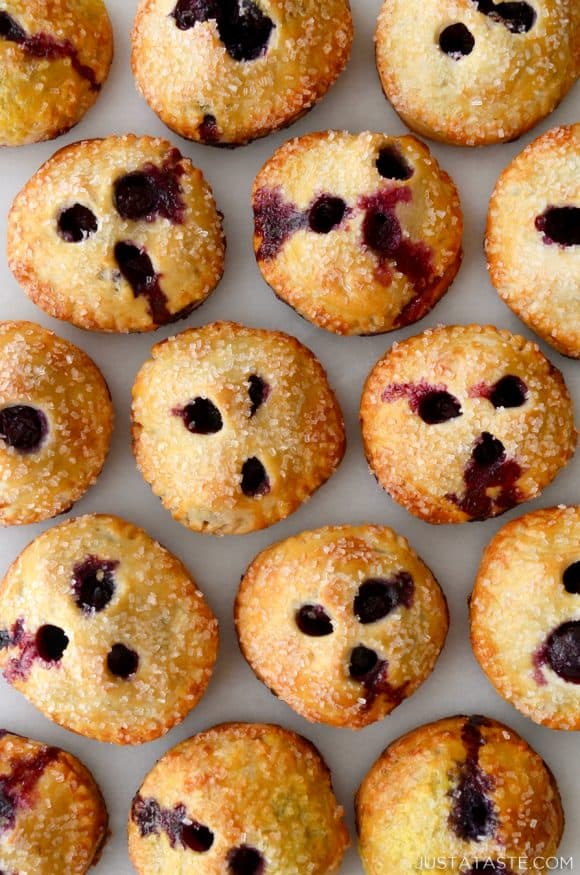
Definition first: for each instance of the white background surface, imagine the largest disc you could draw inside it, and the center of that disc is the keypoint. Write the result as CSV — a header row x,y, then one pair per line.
x,y
457,685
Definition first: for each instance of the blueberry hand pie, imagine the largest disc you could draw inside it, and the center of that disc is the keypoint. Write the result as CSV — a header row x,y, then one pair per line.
x,y
343,623
361,234
52,815
225,72
120,234
466,790
472,72
55,56
56,420
464,422
533,238
234,427
105,631
525,626
239,799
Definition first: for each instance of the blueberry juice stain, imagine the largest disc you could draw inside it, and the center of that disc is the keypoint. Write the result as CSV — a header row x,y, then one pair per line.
x,y
45,46
473,816
17,786
137,269
152,192
488,470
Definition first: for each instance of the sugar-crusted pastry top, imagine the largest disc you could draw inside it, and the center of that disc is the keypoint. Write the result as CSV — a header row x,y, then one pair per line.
x,y
343,622
464,422
54,56
238,799
472,72
118,234
52,816
234,427
359,233
525,610
462,789
225,73
56,419
533,237
105,631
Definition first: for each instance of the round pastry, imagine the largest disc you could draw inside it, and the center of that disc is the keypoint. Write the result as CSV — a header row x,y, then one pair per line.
x,y
56,420
533,237
225,72
464,422
105,631
120,234
240,799
525,615
234,427
52,814
472,72
342,623
465,790
55,56
361,234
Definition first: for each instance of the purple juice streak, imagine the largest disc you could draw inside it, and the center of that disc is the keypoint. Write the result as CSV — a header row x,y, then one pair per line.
x,y
501,474
152,819
473,815
17,787
153,191
413,392
43,45
137,268
382,234
275,221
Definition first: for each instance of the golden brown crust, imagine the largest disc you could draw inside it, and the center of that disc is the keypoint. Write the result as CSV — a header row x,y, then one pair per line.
x,y
431,469
44,93
188,76
59,818
497,92
537,279
252,785
336,279
296,433
518,600
51,375
81,282
155,610
325,568
404,805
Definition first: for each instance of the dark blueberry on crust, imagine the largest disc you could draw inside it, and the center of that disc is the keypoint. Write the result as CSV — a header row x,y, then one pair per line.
x,y
326,213
437,407
258,391
571,578
255,481
376,598
245,861
456,41
275,221
94,583
137,268
197,837
201,416
122,662
23,428
243,27
560,225
363,663
518,17
77,223
10,30
562,652
473,816
314,621
392,165
152,191
51,643
510,391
